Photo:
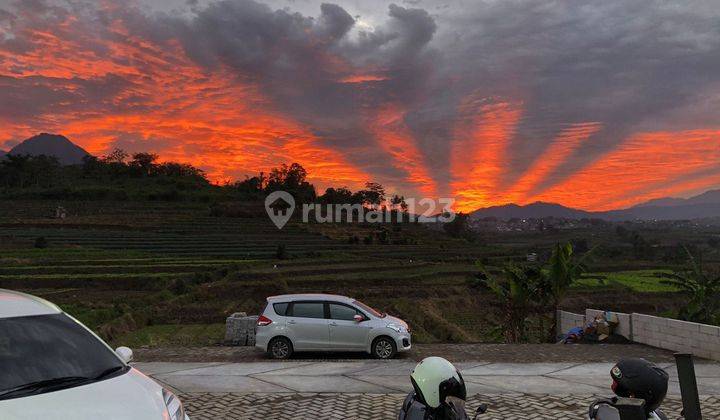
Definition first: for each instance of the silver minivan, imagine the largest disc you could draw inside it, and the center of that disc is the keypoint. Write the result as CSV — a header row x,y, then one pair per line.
x,y
320,322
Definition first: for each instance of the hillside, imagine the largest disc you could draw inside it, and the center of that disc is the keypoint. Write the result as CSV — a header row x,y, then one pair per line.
x,y
154,273
701,206
675,212
534,210
708,197
67,152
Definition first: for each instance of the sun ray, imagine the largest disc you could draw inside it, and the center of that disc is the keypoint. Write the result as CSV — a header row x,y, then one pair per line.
x,y
394,137
478,152
645,162
554,155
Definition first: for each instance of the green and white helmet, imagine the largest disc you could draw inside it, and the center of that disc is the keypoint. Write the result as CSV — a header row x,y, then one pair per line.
x,y
435,379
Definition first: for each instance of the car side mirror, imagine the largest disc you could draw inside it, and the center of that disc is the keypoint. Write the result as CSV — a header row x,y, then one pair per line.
x,y
359,318
125,354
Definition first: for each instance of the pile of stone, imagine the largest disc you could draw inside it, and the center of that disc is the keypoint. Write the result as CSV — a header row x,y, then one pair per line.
x,y
240,329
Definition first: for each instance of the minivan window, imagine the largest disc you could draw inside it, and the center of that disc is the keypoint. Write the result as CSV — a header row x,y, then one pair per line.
x,y
280,308
343,312
44,353
308,310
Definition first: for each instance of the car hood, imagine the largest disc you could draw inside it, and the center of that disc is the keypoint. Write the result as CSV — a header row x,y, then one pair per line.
x,y
391,319
129,396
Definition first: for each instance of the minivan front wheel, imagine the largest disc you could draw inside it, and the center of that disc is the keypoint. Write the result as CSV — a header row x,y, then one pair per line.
x,y
383,348
280,348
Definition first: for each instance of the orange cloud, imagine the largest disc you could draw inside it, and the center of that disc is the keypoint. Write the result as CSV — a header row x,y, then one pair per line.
x,y
362,78
478,154
109,87
555,154
393,136
171,107
639,170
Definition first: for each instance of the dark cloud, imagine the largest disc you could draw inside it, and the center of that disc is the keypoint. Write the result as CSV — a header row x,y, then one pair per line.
x,y
136,143
631,66
301,62
335,22
35,97
620,63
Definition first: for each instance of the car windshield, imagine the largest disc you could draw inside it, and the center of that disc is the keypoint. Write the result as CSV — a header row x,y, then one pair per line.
x,y
49,352
372,311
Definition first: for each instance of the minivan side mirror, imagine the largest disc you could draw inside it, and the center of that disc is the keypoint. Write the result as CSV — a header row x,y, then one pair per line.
x,y
359,318
125,354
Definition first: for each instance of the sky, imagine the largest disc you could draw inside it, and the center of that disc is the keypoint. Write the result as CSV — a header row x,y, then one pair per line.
x,y
591,104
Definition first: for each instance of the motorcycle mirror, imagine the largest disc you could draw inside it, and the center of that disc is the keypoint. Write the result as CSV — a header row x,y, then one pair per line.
x,y
482,409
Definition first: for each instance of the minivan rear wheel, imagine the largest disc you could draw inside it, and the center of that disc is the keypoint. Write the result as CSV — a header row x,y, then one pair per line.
x,y
280,348
384,348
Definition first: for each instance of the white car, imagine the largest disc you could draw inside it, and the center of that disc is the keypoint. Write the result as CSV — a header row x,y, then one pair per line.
x,y
321,322
53,367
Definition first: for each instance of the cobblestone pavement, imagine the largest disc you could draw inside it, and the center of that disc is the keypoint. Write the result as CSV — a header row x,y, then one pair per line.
x,y
319,406
370,389
392,376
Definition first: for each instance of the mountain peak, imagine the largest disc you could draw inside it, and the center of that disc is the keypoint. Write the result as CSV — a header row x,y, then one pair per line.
x,y
59,146
708,197
538,209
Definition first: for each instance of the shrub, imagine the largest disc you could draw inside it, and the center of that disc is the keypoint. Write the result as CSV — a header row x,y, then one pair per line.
x,y
179,287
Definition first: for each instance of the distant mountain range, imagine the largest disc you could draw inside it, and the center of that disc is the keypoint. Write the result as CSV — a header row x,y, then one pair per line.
x,y
708,197
536,210
700,206
67,152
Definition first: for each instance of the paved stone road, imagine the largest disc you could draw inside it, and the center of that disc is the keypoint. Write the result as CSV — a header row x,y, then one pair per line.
x,y
320,406
368,389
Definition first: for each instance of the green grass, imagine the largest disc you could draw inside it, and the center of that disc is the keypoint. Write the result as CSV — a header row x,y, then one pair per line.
x,y
174,335
636,280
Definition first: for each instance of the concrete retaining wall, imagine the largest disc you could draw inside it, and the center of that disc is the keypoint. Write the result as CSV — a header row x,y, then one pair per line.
x,y
665,333
672,334
567,320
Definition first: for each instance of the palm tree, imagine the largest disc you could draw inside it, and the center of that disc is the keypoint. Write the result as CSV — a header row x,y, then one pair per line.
x,y
563,270
703,288
519,289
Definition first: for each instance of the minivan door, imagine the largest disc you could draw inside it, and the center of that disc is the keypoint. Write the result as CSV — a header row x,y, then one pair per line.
x,y
308,326
346,333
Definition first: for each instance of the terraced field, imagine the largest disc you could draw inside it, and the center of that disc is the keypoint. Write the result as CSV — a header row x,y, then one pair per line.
x,y
132,270
169,273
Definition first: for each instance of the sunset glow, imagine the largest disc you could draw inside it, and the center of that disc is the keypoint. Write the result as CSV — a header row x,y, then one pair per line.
x,y
354,103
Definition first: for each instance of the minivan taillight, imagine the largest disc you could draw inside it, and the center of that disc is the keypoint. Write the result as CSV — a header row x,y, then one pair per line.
x,y
263,321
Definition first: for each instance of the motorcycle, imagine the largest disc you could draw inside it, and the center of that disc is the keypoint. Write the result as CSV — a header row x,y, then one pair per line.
x,y
617,408
452,409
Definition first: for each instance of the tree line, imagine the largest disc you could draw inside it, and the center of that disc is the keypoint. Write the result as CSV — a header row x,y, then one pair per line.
x,y
125,176
293,179
25,171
